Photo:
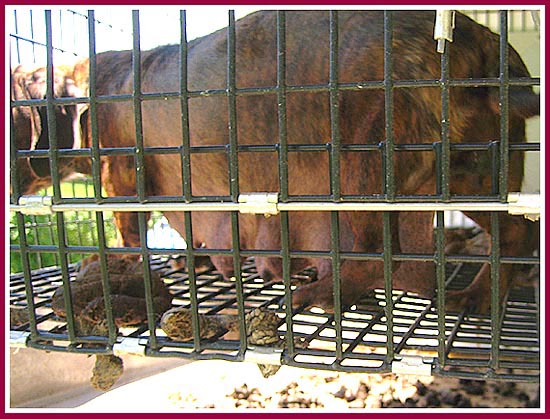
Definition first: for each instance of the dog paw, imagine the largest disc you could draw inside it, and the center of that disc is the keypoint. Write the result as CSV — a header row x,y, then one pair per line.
x,y
467,299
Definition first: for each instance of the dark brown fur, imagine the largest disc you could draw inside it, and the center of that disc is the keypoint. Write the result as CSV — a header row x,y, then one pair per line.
x,y
31,130
417,114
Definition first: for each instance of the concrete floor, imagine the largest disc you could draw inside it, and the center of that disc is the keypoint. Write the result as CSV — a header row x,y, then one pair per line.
x,y
39,379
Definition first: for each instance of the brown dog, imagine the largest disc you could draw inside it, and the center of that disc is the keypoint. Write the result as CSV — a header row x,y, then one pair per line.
x,y
31,129
474,118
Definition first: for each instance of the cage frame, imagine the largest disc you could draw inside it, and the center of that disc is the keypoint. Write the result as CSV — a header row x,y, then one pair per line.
x,y
334,202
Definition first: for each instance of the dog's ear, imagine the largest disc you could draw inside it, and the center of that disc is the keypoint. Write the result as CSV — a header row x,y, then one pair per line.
x,y
23,116
523,102
67,119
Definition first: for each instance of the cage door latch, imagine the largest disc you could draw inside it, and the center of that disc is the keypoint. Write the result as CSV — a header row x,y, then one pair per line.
x,y
412,365
259,203
36,205
130,346
527,205
444,26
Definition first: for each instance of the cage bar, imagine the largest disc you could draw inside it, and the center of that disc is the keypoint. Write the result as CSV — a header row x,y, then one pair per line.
x,y
445,156
95,150
234,176
50,109
184,103
504,104
384,327
138,115
389,179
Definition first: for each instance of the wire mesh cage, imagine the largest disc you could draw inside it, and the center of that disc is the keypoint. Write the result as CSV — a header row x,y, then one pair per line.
x,y
79,285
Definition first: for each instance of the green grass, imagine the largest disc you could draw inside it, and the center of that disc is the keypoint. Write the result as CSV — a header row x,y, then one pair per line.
x,y
80,230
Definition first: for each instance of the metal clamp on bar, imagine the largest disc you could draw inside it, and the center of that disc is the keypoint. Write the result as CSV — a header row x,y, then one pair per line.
x,y
263,355
527,205
19,339
36,205
444,26
259,203
412,365
130,346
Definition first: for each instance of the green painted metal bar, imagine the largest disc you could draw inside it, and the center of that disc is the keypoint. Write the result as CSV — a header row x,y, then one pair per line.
x,y
184,103
50,110
138,114
504,105
232,109
440,284
96,175
337,282
102,246
388,147
234,177
445,156
27,278
496,320
147,282
186,184
283,145
92,110
283,178
388,285
334,97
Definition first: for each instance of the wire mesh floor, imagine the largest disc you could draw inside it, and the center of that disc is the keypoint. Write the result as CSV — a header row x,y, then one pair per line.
x,y
468,347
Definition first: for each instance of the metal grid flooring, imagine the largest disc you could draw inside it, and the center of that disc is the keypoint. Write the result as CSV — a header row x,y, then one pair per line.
x,y
468,343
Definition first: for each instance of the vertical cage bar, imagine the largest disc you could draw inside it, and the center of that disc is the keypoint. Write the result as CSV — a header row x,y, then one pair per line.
x,y
53,158
51,240
92,109
334,107
389,180
50,230
149,303
61,242
61,38
495,291
138,115
437,147
285,253
102,246
440,283
503,188
16,27
184,103
445,158
232,102
281,105
32,37
236,250
335,179
186,183
193,300
234,175
78,225
50,109
337,289
283,175
140,174
388,286
14,173
27,276
495,166
504,81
